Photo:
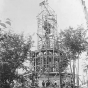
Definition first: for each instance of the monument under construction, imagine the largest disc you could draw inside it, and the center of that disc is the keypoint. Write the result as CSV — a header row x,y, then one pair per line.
x,y
47,57
47,36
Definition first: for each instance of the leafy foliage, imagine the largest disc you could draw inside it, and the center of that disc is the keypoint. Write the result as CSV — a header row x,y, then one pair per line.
x,y
13,52
74,40
4,24
63,61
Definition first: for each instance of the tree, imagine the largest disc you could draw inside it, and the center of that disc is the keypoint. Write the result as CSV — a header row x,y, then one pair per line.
x,y
62,59
4,24
13,52
73,42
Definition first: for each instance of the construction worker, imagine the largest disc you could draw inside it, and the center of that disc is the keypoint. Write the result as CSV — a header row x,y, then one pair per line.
x,y
47,83
43,83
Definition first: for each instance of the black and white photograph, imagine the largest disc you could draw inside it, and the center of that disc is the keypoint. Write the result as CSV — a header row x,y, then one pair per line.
x,y
43,43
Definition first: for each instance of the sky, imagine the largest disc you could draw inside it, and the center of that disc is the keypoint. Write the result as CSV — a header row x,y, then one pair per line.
x,y
23,14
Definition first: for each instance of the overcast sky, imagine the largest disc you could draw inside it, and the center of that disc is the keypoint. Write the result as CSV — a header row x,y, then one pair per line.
x,y
23,13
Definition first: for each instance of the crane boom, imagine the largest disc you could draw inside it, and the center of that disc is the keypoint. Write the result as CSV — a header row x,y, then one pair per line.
x,y
85,11
86,17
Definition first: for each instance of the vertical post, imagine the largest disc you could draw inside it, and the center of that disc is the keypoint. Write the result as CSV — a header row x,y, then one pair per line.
x,y
60,72
42,61
78,74
73,73
59,59
35,61
53,51
59,76
37,35
87,77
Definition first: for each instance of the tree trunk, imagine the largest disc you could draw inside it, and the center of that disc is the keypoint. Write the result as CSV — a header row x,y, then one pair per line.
x,y
73,73
87,78
78,74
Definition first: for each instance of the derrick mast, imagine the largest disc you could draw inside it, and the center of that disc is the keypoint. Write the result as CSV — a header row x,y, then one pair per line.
x,y
47,35
86,17
47,27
